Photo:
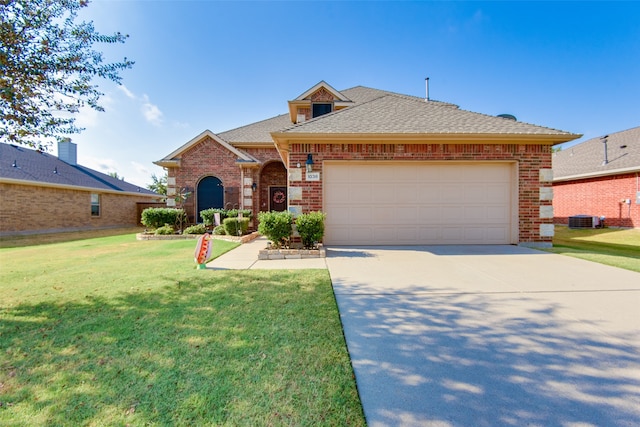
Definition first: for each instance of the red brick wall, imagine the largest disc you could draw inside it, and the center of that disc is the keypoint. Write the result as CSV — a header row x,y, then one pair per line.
x,y
209,158
530,159
598,197
25,209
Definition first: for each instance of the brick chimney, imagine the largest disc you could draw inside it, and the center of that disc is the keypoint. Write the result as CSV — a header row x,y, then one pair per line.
x,y
68,152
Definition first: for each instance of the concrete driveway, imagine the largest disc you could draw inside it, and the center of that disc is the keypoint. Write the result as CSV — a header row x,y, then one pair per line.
x,y
489,336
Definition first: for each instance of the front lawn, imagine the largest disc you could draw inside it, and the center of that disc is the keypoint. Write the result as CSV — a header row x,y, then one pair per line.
x,y
612,246
114,331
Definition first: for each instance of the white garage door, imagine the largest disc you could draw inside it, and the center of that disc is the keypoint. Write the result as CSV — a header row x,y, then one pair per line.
x,y
419,203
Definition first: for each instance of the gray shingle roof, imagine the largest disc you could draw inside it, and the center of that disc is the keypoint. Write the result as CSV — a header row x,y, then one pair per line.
x,y
259,132
21,163
399,114
587,158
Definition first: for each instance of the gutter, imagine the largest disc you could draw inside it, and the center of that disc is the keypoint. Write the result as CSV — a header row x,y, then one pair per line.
x,y
598,174
77,187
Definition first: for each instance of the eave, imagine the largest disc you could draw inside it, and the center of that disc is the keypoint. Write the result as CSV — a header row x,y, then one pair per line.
x,y
284,139
77,188
598,174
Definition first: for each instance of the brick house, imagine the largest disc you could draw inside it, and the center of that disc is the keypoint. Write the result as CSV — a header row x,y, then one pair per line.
x,y
41,193
386,168
600,177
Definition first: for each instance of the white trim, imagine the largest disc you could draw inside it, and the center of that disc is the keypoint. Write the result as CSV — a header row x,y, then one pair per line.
x,y
171,157
328,87
598,174
77,187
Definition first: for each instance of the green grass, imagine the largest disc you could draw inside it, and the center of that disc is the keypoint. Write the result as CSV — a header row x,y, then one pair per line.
x,y
114,331
611,246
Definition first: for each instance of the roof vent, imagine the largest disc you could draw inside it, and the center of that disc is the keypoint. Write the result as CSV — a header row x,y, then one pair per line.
x,y
606,155
508,117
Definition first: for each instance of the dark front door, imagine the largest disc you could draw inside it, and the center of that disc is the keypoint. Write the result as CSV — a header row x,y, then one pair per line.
x,y
210,195
278,199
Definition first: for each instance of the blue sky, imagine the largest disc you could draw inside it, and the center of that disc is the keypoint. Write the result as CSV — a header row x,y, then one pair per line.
x,y
573,66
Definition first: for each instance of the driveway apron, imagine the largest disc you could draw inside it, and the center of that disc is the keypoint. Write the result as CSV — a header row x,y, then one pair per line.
x,y
489,336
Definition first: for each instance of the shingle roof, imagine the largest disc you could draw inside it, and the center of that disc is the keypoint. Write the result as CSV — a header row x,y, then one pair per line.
x,y
587,158
259,132
21,163
399,114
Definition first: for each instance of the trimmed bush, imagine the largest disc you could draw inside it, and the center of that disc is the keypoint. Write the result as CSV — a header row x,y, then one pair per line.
x,y
195,229
158,217
276,226
208,215
219,230
235,227
165,230
311,228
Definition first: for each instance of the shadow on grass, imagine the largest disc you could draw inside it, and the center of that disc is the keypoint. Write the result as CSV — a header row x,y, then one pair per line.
x,y
455,360
217,349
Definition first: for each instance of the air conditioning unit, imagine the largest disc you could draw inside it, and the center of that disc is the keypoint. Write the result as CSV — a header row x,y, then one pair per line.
x,y
586,221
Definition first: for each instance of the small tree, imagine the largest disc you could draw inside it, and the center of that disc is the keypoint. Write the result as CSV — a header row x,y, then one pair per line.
x,y
158,184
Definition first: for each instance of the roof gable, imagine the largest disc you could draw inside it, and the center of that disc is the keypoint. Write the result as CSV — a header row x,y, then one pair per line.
x,y
21,164
299,108
173,159
587,159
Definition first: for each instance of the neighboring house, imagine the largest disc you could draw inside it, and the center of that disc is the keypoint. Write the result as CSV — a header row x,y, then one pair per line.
x,y
41,193
386,168
600,177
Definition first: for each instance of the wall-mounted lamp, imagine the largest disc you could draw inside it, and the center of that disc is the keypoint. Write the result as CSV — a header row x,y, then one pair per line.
x,y
309,162
254,186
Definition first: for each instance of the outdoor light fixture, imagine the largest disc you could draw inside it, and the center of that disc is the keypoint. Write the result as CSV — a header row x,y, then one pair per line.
x,y
309,162
254,186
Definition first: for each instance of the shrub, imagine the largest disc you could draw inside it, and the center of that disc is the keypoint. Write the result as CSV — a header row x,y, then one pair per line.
x,y
311,228
158,217
235,227
195,229
165,229
276,226
219,230
208,215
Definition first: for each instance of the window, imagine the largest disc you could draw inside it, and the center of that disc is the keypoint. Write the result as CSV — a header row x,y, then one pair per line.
x,y
95,205
320,109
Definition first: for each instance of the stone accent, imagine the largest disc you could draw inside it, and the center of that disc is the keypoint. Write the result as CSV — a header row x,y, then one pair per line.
x,y
267,254
547,230
546,211
546,175
546,193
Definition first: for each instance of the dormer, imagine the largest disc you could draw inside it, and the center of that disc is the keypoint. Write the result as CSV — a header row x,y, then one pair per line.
x,y
317,101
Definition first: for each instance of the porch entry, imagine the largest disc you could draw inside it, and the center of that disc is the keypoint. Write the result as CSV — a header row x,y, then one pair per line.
x,y
278,199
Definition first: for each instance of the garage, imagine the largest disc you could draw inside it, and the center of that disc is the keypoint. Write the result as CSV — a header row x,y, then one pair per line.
x,y
419,203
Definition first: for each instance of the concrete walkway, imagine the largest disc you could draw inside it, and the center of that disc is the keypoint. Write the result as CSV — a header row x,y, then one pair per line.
x,y
482,335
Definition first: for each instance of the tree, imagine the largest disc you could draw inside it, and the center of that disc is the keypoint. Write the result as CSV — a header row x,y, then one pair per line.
x,y
116,176
47,69
158,184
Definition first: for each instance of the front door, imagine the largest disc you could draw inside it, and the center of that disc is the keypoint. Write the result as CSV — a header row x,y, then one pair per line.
x,y
278,199
210,194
